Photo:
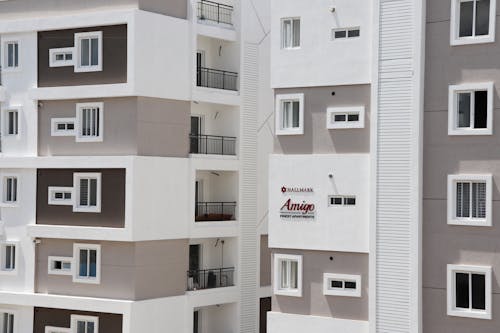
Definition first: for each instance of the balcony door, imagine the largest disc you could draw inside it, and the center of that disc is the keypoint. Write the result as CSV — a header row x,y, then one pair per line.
x,y
196,321
195,257
195,139
200,64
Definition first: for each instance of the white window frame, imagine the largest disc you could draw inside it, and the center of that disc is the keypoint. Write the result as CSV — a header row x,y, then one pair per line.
x,y
450,288
57,132
76,193
53,329
3,181
79,125
3,247
346,33
76,263
277,275
76,318
53,271
5,120
14,313
85,35
331,112
453,91
327,290
5,56
60,202
279,114
53,53
451,200
455,26
282,34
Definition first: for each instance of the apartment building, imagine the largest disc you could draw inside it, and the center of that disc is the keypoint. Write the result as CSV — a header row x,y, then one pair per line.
x,y
382,191
128,167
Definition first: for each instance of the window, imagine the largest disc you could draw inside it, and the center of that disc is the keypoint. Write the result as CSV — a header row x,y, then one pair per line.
x,y
11,122
342,285
88,262
84,324
470,109
472,21
10,187
290,114
11,60
59,265
290,33
344,33
469,200
341,200
7,323
288,275
87,192
61,57
60,196
345,117
8,259
89,51
469,291
63,126
89,122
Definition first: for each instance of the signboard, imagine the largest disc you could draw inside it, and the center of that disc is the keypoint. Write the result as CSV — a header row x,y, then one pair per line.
x,y
297,210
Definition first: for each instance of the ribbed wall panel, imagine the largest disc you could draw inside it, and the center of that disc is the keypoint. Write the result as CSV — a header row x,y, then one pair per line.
x,y
248,199
396,158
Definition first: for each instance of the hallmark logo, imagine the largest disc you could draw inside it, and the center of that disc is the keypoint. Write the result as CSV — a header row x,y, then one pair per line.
x,y
285,189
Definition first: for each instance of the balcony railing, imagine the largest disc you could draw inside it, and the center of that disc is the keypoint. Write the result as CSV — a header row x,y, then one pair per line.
x,y
215,211
215,12
212,144
215,78
210,278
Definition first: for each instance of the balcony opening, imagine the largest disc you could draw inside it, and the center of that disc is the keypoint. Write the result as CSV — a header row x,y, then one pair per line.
x,y
215,194
215,12
211,263
203,141
217,63
218,318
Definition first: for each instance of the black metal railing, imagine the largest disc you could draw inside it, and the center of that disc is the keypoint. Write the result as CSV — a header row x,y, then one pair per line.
x,y
210,278
212,144
216,12
215,211
215,78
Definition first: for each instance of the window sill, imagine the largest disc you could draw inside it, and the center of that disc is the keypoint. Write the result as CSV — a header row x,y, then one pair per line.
x,y
86,210
90,69
291,293
471,222
290,132
86,281
9,272
465,132
470,314
472,40
9,205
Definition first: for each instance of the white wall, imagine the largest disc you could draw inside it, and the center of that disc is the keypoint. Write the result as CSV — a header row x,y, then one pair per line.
x,y
222,188
157,203
227,60
338,228
219,319
159,315
14,221
212,255
17,83
292,323
217,119
321,61
162,55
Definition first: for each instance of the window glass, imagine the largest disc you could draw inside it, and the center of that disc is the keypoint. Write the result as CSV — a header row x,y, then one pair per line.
x,y
480,109
462,290
464,104
478,292
482,17
466,17
340,34
353,33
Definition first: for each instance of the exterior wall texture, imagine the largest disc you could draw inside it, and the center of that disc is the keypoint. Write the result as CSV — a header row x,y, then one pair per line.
x,y
445,244
109,323
132,126
132,271
112,199
114,58
265,261
317,139
313,302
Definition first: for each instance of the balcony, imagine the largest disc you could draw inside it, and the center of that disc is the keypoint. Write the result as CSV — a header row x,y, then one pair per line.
x,y
216,79
215,12
210,278
215,211
212,144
